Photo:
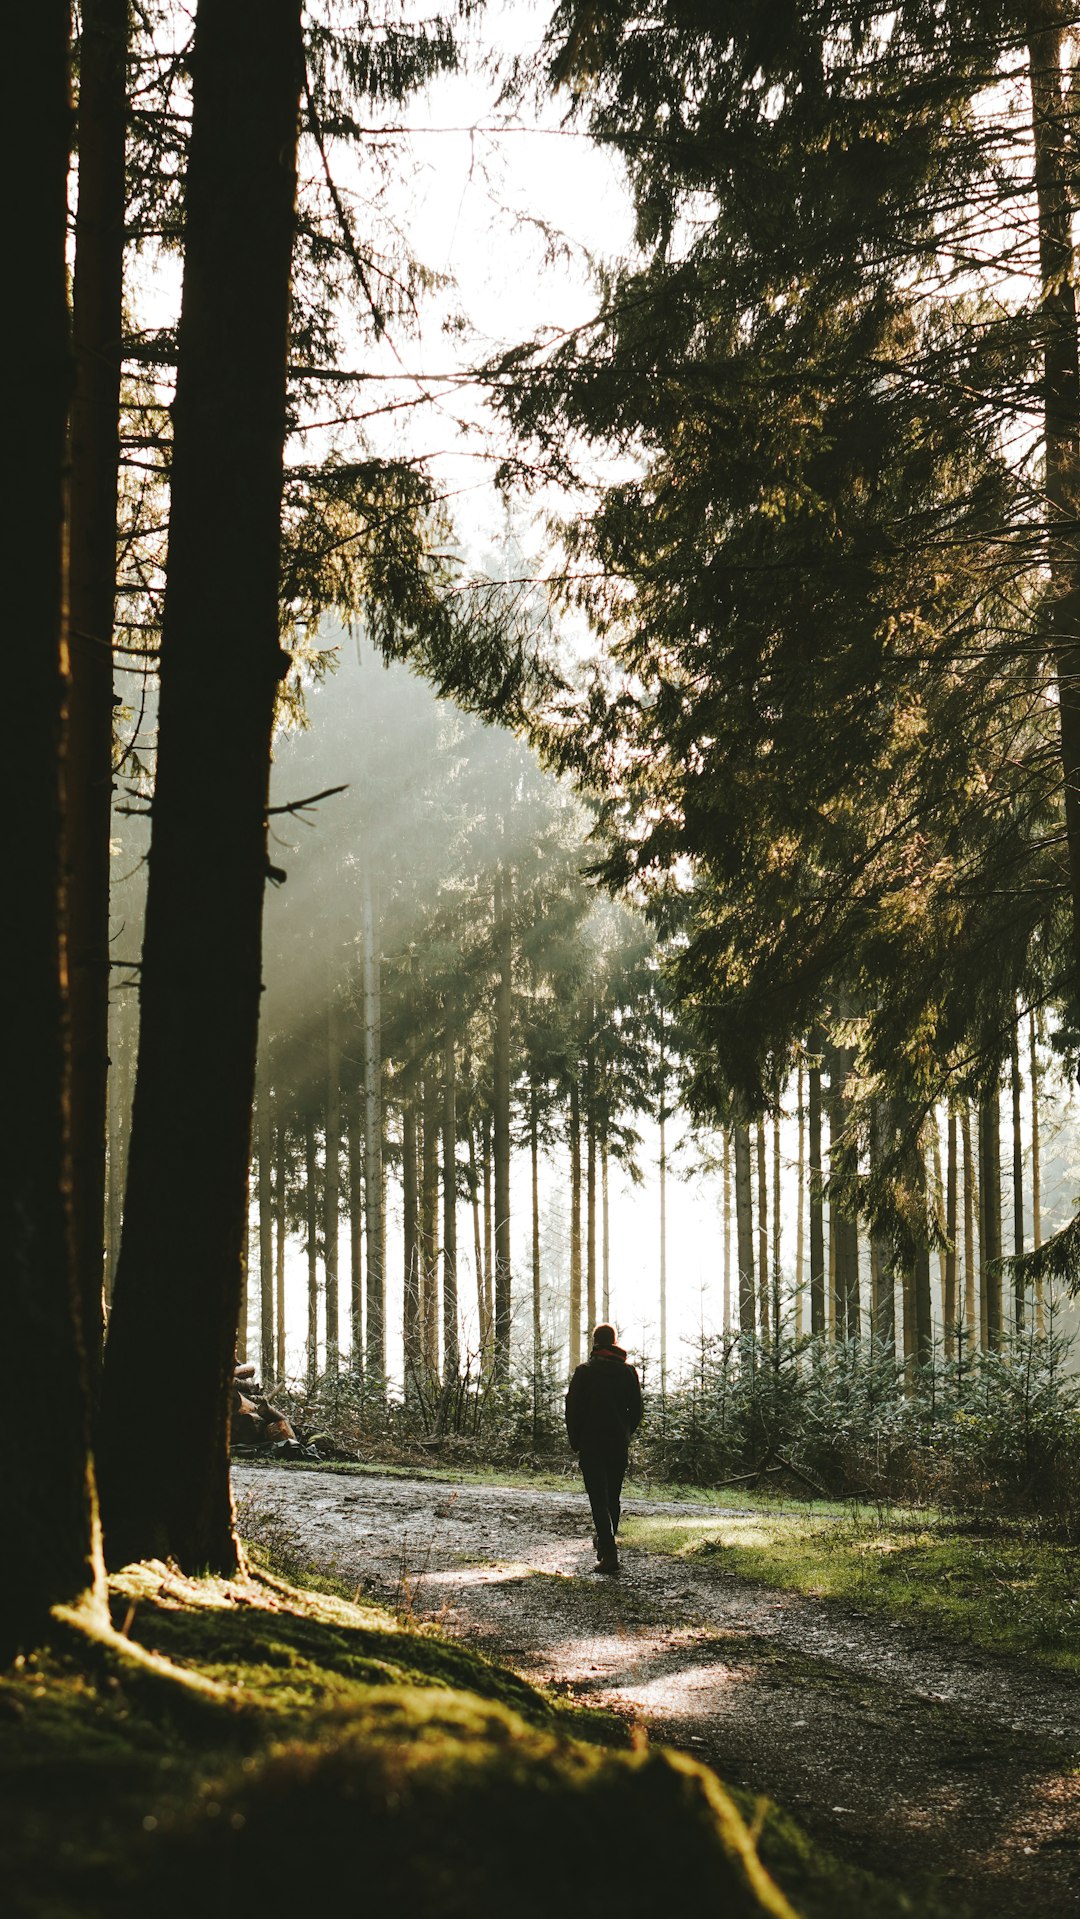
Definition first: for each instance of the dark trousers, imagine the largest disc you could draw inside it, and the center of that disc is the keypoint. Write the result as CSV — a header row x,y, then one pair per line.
x,y
603,1472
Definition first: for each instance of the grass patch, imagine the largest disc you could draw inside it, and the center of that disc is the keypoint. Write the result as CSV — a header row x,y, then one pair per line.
x,y
1000,1590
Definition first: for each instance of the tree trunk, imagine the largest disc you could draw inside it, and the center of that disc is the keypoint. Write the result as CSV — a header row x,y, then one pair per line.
x,y
1017,1181
575,1226
47,1505
776,1228
971,1313
355,1140
762,1232
311,1181
1048,23
590,1184
95,456
173,1329
844,1230
266,1229
948,1302
279,1237
501,1116
938,1195
727,1231
800,1205
489,1259
606,1227
990,1217
373,1138
332,1188
1036,1170
744,1228
882,1254
429,1230
478,1248
537,1340
663,1226
410,1211
451,1354
815,1172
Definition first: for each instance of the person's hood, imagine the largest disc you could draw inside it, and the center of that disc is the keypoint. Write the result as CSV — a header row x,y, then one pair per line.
x,y
608,1352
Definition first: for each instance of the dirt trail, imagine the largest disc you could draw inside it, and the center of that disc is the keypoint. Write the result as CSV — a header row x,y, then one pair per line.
x,y
938,1766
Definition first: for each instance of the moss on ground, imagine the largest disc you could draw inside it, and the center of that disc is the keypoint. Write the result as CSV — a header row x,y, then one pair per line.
x,y
999,1590
346,1750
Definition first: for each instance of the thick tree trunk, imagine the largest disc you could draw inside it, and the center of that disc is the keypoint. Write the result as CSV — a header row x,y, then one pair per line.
x,y
265,1137
744,1228
1017,1181
451,1355
95,456
48,1521
332,1187
311,1195
575,1226
816,1179
990,1217
501,1117
1048,24
373,1139
173,1329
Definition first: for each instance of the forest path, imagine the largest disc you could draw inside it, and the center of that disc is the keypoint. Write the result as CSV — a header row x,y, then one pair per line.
x,y
935,1765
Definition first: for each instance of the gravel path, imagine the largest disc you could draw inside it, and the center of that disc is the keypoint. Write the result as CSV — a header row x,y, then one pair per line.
x,y
938,1766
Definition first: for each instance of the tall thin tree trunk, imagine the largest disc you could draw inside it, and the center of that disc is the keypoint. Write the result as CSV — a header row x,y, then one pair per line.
x,y
429,1233
938,1195
410,1233
1036,1170
816,1177
606,1227
489,1259
744,1227
478,1245
575,1225
776,1227
762,1232
1049,22
534,1167
663,1217
501,1119
173,1328
311,1183
48,1518
727,1229
590,1185
800,1209
332,1187
1017,1181
990,1217
279,1241
95,455
451,1354
373,1135
355,1141
882,1254
948,1302
971,1206
265,1139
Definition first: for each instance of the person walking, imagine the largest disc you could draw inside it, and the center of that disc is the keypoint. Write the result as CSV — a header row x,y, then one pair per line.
x,y
603,1410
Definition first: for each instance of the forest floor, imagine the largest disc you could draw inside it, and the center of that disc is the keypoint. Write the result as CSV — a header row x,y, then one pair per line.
x,y
948,1770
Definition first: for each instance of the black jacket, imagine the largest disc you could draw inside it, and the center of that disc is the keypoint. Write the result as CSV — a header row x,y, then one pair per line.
x,y
603,1405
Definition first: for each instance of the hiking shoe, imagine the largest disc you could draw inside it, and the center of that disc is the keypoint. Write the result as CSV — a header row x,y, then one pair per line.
x,y
608,1562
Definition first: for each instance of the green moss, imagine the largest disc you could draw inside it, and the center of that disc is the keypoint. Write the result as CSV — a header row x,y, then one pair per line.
x,y
1005,1592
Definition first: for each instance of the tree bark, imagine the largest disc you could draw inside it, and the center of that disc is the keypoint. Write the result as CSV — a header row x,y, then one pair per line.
x,y
575,1226
95,457
744,1228
534,1167
47,1504
332,1187
311,1183
762,1232
279,1222
265,1138
727,1231
990,1217
800,1205
354,1133
489,1261
173,1330
501,1118
590,1181
882,1255
776,1228
1048,22
1017,1180
410,1233
373,1138
971,1313
948,1303
663,1218
1036,1170
605,1227
816,1171
429,1231
451,1354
